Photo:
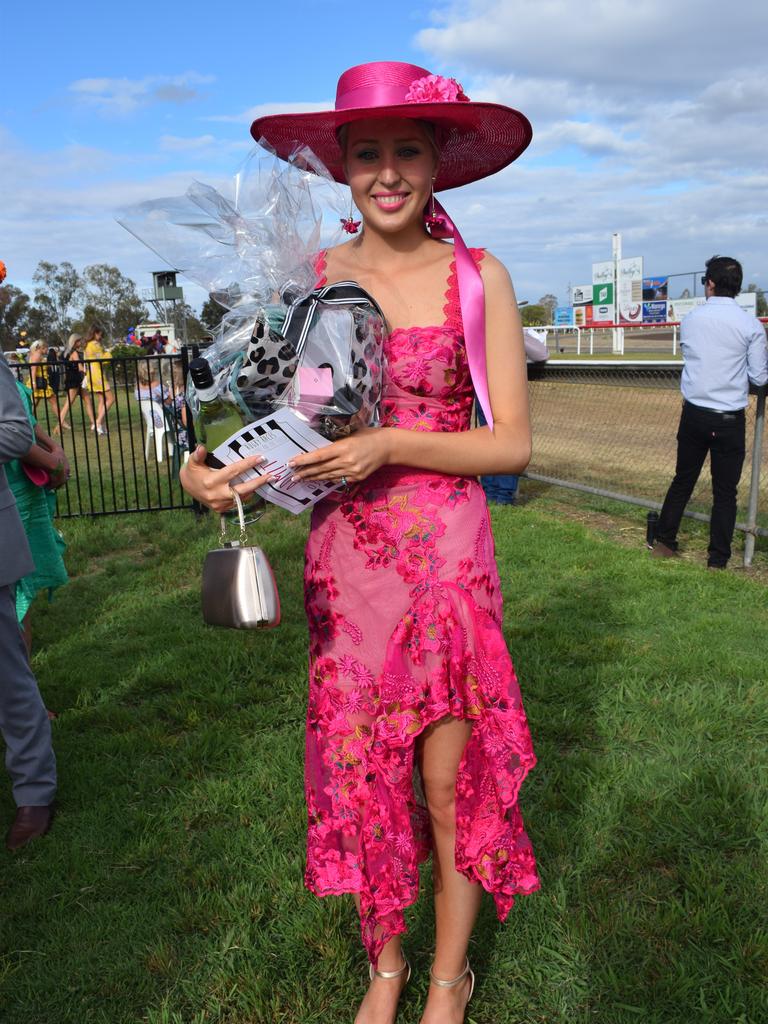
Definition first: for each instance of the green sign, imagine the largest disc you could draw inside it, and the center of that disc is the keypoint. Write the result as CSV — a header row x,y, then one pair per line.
x,y
602,294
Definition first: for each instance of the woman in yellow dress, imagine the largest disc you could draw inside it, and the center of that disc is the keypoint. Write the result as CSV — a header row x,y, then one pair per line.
x,y
96,379
40,383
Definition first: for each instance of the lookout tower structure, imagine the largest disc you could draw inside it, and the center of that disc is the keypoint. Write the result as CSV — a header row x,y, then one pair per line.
x,y
167,299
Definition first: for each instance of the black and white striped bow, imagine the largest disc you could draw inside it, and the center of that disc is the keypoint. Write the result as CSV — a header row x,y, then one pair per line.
x,y
301,314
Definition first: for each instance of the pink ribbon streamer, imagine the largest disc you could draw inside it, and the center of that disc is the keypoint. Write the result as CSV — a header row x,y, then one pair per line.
x,y
472,302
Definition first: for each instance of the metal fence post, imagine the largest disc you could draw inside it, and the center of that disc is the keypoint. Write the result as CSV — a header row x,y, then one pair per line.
x,y
754,480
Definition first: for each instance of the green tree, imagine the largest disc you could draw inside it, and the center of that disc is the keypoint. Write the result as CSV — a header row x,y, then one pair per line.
x,y
14,315
113,299
535,316
195,328
89,317
40,323
58,295
211,314
549,302
762,304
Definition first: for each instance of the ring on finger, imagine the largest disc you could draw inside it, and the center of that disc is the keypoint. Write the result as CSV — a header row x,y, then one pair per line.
x,y
343,482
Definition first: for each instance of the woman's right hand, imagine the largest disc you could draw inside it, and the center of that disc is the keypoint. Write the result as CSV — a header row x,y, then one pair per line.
x,y
213,487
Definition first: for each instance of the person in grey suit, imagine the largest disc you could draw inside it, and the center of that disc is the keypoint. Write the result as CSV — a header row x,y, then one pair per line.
x,y
24,722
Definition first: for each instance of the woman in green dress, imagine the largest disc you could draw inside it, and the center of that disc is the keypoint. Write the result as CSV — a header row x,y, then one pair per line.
x,y
37,504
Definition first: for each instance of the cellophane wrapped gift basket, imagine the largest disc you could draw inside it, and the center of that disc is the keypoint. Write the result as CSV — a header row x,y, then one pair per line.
x,y
283,342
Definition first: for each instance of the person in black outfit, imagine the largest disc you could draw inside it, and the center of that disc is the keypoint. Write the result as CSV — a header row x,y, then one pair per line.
x,y
74,378
54,369
724,348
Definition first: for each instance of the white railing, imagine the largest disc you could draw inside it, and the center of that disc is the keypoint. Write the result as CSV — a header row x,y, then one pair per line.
x,y
617,334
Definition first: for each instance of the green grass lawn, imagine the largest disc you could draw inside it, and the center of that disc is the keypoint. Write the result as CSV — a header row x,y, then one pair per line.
x,y
170,888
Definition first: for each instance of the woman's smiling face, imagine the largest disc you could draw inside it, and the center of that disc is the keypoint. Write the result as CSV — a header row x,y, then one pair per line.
x,y
390,164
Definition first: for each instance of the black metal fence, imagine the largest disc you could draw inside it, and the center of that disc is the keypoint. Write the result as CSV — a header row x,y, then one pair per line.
x,y
606,428
123,425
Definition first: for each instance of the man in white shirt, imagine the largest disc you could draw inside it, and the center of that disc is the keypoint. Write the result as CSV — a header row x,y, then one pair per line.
x,y
724,348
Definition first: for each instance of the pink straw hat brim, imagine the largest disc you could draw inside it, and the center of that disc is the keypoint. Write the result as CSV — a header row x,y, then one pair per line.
x,y
475,139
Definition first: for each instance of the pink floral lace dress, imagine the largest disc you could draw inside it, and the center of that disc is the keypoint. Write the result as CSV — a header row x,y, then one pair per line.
x,y
404,608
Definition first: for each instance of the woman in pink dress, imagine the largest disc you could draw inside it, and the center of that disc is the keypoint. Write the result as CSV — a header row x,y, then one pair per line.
x,y
416,736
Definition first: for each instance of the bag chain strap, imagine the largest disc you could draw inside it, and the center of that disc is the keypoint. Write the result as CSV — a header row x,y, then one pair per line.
x,y
223,522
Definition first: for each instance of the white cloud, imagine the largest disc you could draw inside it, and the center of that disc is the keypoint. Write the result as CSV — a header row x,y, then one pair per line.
x,y
123,96
594,139
648,119
61,205
265,109
653,44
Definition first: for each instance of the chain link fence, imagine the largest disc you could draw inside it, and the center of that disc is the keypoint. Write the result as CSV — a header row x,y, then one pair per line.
x,y
610,429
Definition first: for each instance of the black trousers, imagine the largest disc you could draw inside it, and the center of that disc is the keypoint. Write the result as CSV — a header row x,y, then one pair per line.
x,y
723,436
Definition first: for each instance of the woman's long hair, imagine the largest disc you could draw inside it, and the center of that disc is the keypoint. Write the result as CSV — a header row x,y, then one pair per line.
x,y
93,330
72,344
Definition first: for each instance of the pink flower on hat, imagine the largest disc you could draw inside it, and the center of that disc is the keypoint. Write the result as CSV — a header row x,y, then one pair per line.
x,y
436,89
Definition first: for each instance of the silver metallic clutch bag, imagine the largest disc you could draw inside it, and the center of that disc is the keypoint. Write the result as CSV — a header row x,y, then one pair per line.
x,y
239,589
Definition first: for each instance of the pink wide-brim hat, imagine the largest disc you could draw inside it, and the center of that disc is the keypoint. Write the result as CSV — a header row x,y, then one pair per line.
x,y
475,139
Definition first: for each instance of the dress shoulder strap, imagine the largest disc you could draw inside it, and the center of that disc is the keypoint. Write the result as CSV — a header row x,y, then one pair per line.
x,y
452,307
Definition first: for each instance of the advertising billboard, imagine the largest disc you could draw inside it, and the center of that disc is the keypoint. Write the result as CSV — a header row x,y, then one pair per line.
x,y
582,315
748,302
678,308
603,298
602,273
655,289
630,297
602,294
603,314
564,316
654,312
582,294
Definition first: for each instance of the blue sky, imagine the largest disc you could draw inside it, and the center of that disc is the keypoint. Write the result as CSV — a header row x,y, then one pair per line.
x,y
647,120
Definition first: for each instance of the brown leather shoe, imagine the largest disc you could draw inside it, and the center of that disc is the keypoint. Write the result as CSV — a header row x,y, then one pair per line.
x,y
29,823
661,550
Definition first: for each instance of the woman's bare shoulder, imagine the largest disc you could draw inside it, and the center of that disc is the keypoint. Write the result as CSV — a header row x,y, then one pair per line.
x,y
492,268
496,277
339,257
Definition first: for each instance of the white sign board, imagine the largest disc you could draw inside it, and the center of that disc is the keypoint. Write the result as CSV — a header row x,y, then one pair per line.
x,y
678,308
582,294
630,297
602,273
748,302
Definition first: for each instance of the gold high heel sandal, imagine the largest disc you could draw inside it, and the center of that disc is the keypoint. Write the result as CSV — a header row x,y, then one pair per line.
x,y
391,975
457,980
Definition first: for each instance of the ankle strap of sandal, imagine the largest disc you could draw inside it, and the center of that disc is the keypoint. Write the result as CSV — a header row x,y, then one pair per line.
x,y
454,981
389,975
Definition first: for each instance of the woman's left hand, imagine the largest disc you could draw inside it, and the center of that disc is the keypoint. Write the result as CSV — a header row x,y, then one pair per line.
x,y
352,459
60,470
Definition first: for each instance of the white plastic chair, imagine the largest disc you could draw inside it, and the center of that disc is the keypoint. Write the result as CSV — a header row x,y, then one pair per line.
x,y
156,429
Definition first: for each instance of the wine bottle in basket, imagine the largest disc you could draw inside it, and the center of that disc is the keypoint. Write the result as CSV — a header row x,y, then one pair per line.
x,y
217,419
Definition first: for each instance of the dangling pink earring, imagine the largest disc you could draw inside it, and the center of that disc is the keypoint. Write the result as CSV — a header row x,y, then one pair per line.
x,y
349,224
432,220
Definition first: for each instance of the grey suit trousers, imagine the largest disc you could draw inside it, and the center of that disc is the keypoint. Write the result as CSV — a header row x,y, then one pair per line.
x,y
24,723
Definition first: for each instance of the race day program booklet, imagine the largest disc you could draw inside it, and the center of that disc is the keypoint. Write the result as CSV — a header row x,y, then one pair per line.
x,y
278,437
